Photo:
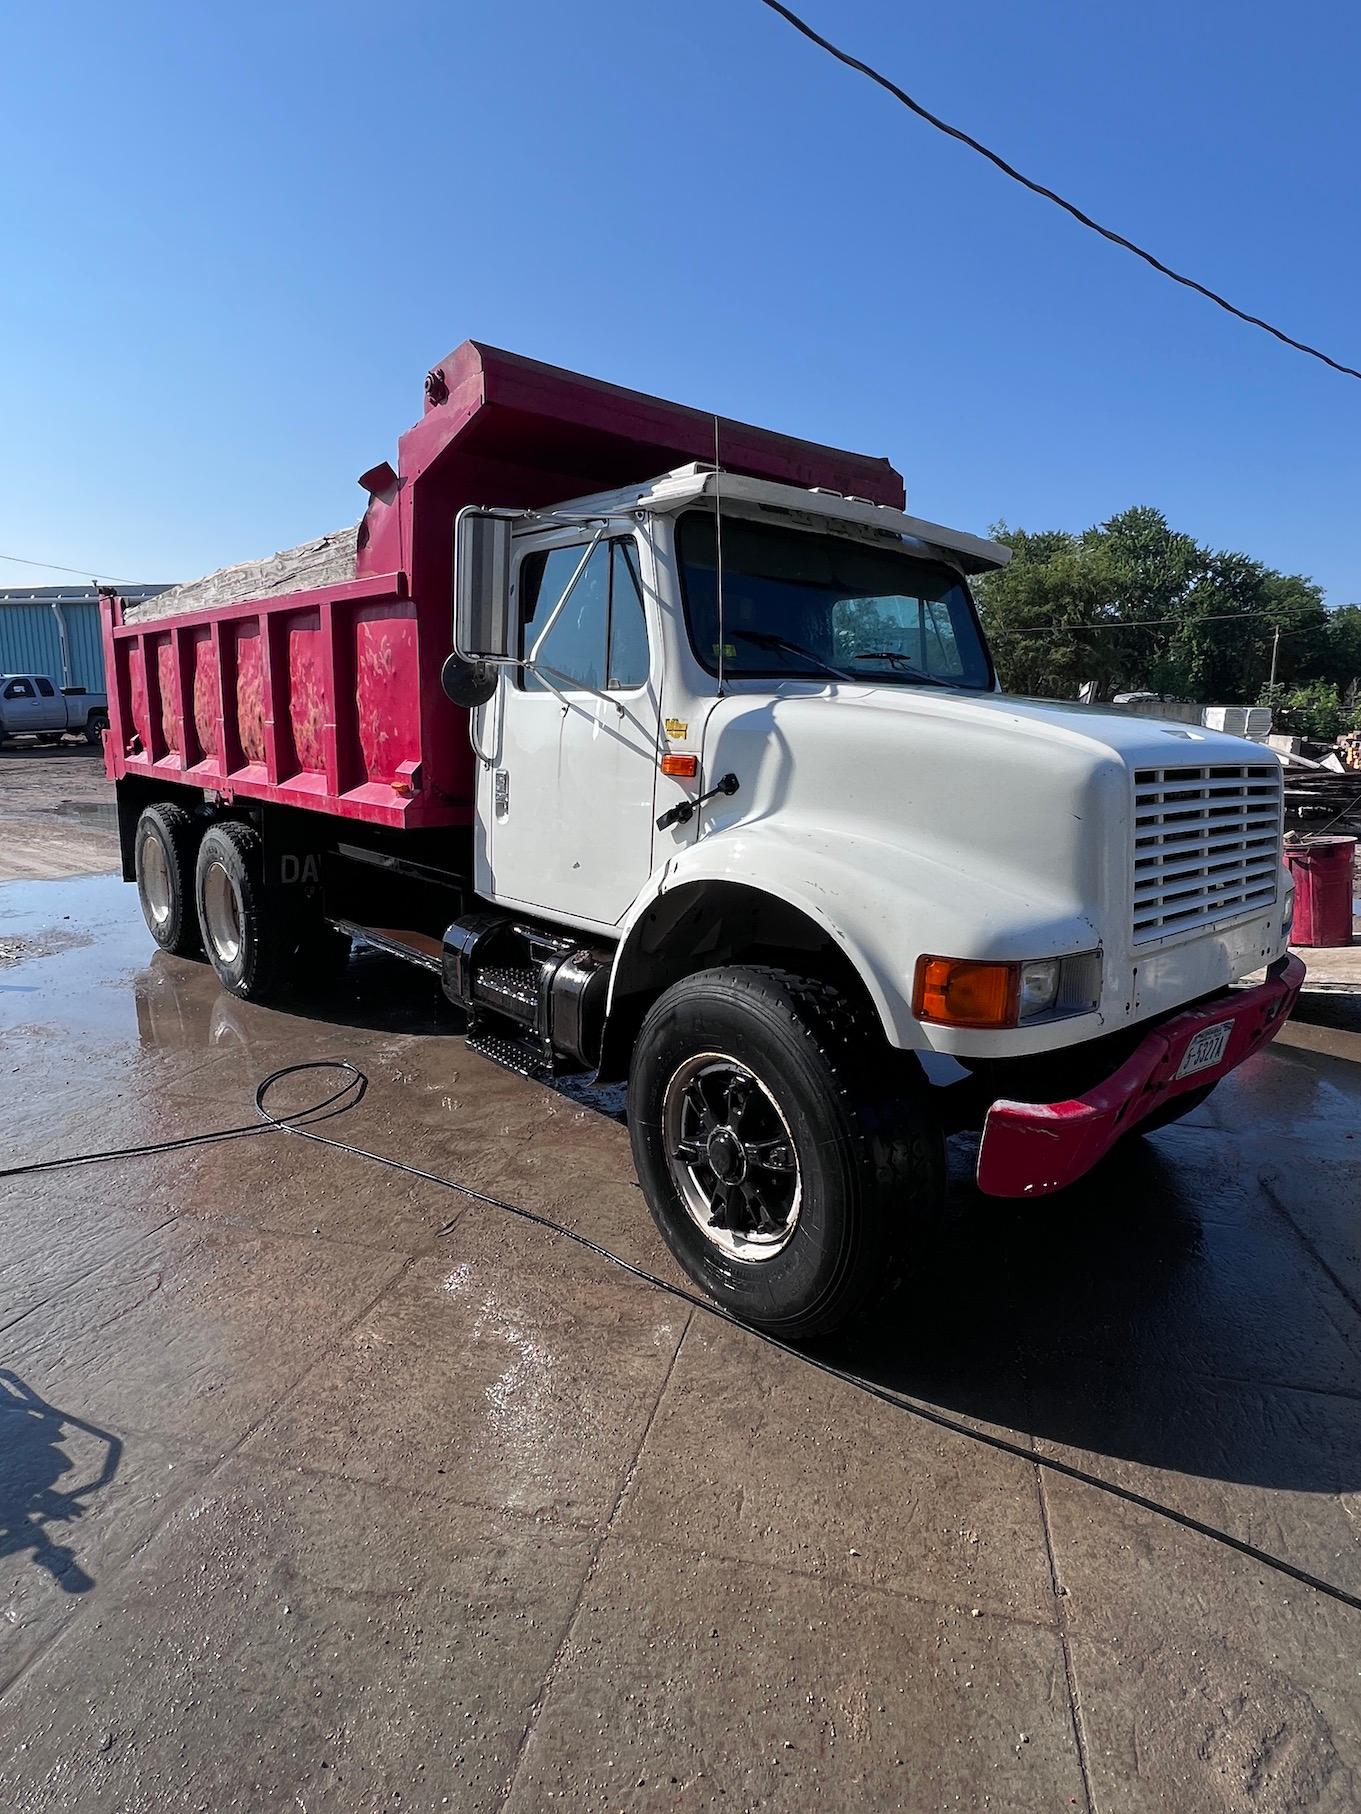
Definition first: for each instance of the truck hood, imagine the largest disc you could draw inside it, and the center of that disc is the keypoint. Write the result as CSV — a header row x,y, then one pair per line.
x,y
1034,796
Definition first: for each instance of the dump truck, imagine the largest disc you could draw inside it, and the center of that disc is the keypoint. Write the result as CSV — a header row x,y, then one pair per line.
x,y
673,750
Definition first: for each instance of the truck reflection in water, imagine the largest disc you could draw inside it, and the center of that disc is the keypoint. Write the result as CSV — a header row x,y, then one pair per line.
x,y
180,1007
33,1458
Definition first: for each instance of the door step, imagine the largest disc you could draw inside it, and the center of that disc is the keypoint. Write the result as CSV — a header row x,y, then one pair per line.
x,y
534,998
523,1056
511,989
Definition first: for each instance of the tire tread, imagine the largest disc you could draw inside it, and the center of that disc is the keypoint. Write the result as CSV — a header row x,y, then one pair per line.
x,y
895,1146
265,953
178,835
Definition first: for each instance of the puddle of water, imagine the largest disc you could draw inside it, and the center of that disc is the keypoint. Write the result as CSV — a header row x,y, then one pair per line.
x,y
69,938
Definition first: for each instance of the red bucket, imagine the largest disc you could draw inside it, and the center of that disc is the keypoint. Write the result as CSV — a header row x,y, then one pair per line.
x,y
1322,868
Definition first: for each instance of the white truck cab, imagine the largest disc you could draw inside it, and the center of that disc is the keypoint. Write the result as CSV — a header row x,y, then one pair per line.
x,y
887,788
749,740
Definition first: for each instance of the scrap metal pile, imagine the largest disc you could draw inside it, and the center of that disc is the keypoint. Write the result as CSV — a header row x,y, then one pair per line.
x,y
1325,786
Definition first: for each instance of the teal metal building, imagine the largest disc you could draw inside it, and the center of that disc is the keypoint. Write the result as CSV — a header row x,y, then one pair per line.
x,y
55,630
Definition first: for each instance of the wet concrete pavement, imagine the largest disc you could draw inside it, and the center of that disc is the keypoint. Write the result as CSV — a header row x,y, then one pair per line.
x,y
323,1487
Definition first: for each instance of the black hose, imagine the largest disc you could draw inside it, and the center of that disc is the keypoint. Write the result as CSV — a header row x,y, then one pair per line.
x,y
352,1092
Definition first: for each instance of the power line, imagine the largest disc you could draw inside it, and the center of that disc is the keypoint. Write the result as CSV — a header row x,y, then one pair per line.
x,y
1049,195
56,567
1152,623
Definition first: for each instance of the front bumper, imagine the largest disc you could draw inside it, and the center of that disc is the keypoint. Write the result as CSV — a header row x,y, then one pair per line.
x,y
1031,1149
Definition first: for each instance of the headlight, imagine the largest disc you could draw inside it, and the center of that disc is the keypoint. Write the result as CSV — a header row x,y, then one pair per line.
x,y
967,992
1039,987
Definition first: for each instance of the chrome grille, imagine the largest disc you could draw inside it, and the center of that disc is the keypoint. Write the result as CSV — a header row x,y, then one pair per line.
x,y
1207,845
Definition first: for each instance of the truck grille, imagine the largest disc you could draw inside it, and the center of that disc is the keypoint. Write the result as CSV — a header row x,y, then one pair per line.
x,y
1207,845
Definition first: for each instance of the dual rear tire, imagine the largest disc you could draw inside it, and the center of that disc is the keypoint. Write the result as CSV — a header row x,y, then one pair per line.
x,y
166,844
241,937
205,892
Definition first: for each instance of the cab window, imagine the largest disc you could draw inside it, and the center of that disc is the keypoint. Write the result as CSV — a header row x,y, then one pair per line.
x,y
628,623
46,688
598,641
18,689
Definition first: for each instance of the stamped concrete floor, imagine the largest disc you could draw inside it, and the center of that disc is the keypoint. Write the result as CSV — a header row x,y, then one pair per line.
x,y
321,1487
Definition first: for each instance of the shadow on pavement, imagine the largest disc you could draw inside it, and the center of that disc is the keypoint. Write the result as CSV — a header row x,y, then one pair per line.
x,y
1117,1320
33,1458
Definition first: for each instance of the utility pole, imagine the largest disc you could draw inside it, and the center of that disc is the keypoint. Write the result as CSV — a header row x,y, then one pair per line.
x,y
1275,645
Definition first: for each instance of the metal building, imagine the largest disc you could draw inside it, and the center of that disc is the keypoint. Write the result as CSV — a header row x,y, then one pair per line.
x,y
55,630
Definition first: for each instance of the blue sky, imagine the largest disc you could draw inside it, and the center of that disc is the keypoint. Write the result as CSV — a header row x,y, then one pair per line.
x,y
234,239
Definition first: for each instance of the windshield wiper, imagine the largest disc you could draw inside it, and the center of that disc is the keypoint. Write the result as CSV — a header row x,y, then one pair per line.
x,y
767,639
896,661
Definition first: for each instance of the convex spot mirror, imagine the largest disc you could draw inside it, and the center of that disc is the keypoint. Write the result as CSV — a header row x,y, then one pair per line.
x,y
483,626
467,683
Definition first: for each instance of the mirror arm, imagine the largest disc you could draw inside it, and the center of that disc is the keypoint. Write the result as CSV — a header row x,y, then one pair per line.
x,y
556,612
545,669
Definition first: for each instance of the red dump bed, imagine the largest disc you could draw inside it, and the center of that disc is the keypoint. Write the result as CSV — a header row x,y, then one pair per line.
x,y
331,699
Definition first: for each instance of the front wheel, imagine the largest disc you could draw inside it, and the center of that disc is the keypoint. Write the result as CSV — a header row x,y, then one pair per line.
x,y
95,726
783,1150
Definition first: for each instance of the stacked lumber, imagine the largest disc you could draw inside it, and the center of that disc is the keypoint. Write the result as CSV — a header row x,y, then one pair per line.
x,y
1314,792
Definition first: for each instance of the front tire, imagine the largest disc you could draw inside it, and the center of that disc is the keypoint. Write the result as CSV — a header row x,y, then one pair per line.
x,y
781,1146
95,726
163,862
238,922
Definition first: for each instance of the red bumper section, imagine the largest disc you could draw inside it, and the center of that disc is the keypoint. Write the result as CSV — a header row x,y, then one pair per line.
x,y
1031,1149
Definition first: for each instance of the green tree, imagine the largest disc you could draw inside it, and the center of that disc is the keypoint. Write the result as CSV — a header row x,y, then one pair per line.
x,y
1035,612
1135,605
1340,649
1314,710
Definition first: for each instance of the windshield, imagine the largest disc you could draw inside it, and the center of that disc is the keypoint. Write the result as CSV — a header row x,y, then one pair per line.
x,y
800,603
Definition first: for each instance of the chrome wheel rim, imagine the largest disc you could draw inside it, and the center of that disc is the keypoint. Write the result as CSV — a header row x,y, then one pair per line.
x,y
732,1157
156,881
221,913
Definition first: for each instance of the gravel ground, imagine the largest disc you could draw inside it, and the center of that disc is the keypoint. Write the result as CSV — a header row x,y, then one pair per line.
x,y
56,812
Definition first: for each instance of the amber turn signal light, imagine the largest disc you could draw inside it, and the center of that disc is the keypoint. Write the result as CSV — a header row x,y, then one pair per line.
x,y
960,992
682,768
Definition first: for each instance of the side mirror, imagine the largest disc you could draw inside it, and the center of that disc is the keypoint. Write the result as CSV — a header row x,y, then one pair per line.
x,y
483,630
467,683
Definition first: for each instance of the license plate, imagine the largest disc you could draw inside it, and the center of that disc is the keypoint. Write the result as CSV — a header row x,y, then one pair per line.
x,y
1206,1049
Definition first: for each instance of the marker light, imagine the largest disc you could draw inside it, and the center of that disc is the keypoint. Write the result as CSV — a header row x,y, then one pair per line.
x,y
959,992
682,768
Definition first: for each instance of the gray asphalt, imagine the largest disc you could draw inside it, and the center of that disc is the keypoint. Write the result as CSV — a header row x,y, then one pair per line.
x,y
323,1488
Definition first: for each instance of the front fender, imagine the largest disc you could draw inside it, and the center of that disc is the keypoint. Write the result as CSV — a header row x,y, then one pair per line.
x,y
883,905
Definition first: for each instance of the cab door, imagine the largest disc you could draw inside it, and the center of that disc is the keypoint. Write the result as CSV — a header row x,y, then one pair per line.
x,y
21,709
567,799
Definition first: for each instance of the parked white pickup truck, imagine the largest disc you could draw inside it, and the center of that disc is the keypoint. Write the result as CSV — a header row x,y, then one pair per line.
x,y
33,705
